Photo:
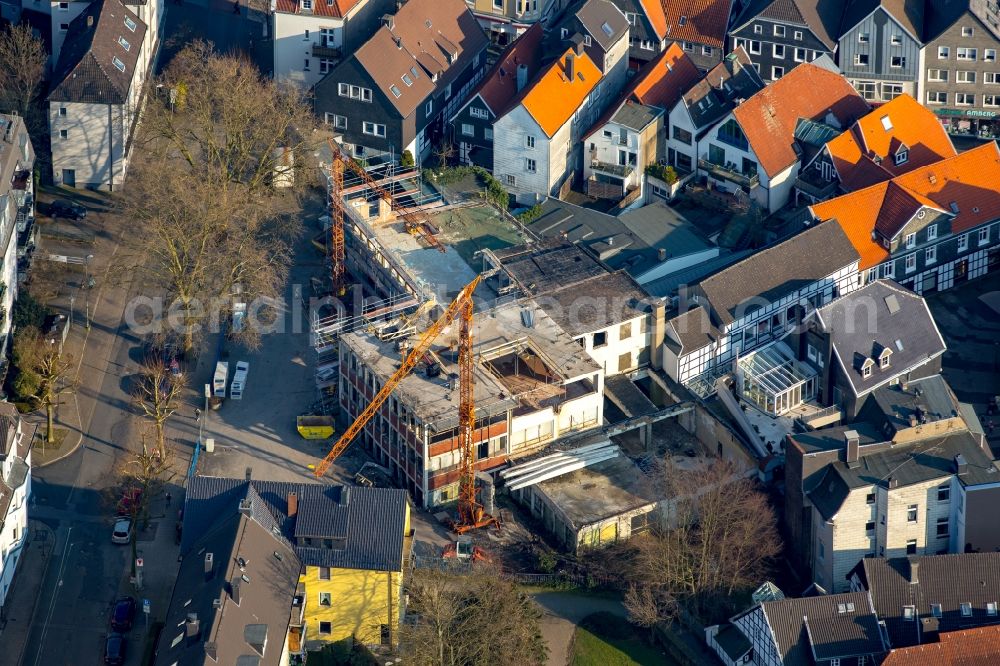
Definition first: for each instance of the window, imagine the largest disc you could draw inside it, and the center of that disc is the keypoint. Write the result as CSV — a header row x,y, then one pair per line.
x,y
967,31
468,130
965,77
530,165
63,6
943,53
779,31
124,43
984,236
937,97
119,65
325,627
63,27
706,50
324,598
966,609
306,65
861,59
864,38
324,573
625,331
991,78
305,35
62,111
682,135
688,46
936,610
870,498
911,262
488,133
942,528
911,241
896,40
754,47
883,361
498,4
394,89
373,129
586,40
931,232
866,89
963,242
888,270
891,90
897,61
758,29
991,608
407,80
870,526
777,72
989,55
901,156
866,369
563,33
600,339
339,122
479,112
991,100
63,134
797,35
962,53
801,55
965,99
778,50
511,180
911,513
909,613
937,74
354,92
429,107
911,547
529,141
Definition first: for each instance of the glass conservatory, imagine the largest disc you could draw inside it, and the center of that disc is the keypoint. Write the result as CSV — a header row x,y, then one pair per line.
x,y
774,381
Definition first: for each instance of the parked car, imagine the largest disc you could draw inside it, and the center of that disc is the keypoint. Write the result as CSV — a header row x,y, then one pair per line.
x,y
122,533
67,209
123,614
114,650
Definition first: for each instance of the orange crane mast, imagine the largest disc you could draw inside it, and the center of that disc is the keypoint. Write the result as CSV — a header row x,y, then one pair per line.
x,y
338,257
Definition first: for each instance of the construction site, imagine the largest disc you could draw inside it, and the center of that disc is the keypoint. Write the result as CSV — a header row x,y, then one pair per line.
x,y
464,363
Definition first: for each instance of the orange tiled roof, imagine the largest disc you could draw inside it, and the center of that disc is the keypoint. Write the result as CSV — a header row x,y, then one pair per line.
x,y
769,117
912,126
552,99
705,21
657,17
968,180
662,82
332,8
967,647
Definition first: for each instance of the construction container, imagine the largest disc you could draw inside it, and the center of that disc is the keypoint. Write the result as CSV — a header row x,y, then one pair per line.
x,y
314,427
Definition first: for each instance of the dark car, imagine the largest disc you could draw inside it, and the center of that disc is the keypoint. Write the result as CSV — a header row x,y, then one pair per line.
x,y
114,650
122,615
67,209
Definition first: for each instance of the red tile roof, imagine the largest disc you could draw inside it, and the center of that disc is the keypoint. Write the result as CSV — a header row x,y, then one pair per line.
x,y
499,88
968,647
968,180
854,152
769,117
657,17
330,8
705,21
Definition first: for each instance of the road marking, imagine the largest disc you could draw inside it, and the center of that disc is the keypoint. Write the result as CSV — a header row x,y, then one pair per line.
x,y
55,596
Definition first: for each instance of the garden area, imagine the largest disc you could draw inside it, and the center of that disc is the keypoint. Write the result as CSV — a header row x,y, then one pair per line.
x,y
603,639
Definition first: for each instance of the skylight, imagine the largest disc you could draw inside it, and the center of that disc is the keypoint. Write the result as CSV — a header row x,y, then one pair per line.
x,y
130,24
119,65
395,91
124,43
683,20
886,123
606,27
414,72
407,80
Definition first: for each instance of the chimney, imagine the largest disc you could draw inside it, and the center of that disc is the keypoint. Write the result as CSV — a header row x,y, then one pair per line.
x,y
234,590
659,330
893,483
293,505
249,473
914,564
570,68
246,506
389,21
853,445
209,565
522,76
90,20
661,254
212,651
192,627
961,467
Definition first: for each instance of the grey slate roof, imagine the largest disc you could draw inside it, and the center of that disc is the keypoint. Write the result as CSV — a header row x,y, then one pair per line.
x,y
595,15
820,16
669,285
909,14
691,330
718,92
635,116
596,303
916,462
949,580
271,571
86,72
893,406
823,626
880,315
778,270
371,519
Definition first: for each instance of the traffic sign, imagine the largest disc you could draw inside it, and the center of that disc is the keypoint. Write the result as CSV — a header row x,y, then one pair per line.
x,y
145,606
138,561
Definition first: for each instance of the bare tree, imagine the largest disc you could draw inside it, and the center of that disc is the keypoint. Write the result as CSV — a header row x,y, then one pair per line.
x,y
50,370
471,619
22,67
214,224
718,540
156,395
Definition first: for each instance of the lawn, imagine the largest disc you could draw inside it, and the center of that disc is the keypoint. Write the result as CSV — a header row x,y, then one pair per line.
x,y
603,639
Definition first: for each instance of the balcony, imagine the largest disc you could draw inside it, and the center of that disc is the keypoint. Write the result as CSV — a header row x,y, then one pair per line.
x,y
618,170
730,174
320,50
811,183
298,610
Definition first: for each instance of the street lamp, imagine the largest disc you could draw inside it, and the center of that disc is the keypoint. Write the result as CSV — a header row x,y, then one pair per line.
x,y
90,285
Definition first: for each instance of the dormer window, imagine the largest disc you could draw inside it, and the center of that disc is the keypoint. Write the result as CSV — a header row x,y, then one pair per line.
x,y
883,358
909,613
866,369
902,155
936,610
966,609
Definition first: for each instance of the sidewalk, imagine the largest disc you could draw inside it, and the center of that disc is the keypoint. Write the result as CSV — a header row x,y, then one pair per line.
x,y
23,594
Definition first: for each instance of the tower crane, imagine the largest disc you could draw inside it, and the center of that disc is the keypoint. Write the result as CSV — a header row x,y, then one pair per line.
x,y
337,254
470,512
